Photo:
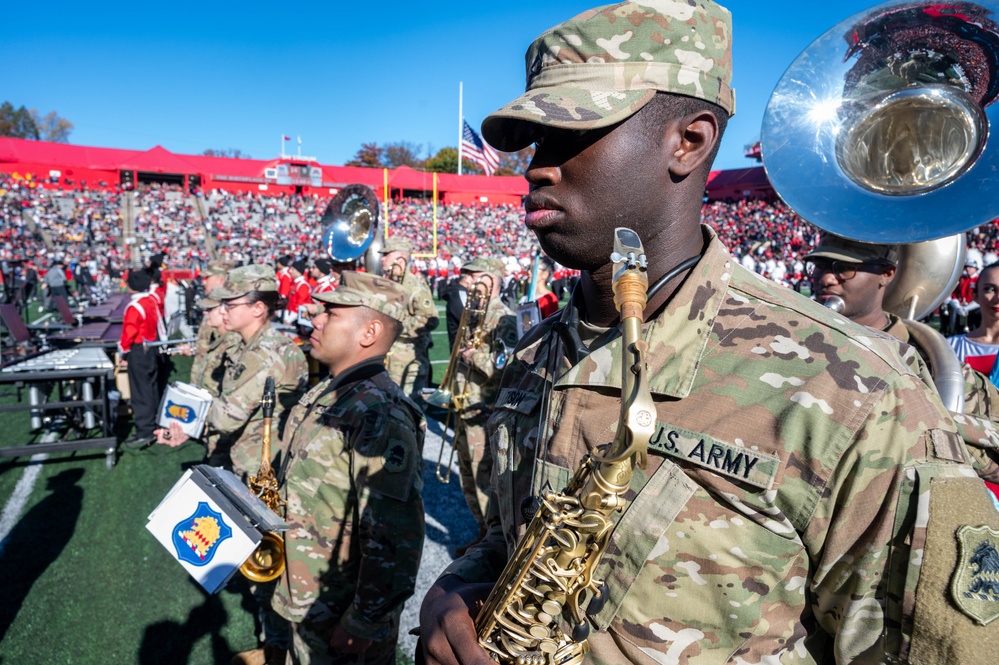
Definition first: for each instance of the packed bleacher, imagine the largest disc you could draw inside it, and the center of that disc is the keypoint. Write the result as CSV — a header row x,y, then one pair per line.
x,y
38,226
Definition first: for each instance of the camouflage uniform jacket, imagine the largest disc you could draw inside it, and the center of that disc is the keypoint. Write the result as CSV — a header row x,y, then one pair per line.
x,y
498,335
977,425
422,318
235,416
208,367
353,484
776,520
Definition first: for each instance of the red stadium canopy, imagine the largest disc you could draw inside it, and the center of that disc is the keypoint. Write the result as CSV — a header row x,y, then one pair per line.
x,y
58,165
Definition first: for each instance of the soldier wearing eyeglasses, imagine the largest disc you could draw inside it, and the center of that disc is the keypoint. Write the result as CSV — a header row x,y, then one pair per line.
x,y
859,273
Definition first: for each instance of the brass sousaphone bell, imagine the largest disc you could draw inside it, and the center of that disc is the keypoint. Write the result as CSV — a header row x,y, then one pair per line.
x,y
350,227
880,131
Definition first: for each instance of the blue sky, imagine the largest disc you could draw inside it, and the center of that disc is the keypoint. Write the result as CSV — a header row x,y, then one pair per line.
x,y
191,76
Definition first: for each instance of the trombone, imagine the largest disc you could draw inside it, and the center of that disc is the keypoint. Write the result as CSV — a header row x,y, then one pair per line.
x,y
168,343
452,394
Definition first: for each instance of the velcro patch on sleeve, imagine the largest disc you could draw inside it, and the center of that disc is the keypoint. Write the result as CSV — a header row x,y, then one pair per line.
x,y
957,597
737,462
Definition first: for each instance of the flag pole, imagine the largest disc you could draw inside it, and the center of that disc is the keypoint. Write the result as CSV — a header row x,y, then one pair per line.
x,y
461,88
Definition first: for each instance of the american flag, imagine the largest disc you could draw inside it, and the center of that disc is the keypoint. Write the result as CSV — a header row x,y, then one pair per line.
x,y
477,150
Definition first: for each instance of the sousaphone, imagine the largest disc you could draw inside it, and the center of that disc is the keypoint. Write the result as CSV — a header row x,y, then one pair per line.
x,y
880,131
350,227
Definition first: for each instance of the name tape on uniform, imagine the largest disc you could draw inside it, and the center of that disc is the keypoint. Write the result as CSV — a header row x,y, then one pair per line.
x,y
520,401
745,465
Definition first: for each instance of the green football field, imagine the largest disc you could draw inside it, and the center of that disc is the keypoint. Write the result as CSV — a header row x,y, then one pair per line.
x,y
84,582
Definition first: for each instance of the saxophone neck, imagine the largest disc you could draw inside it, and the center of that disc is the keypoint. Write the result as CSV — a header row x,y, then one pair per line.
x,y
267,407
631,283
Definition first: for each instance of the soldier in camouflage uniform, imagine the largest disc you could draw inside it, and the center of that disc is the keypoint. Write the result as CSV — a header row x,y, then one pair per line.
x,y
234,431
261,351
859,273
352,482
409,360
212,278
209,362
477,377
806,498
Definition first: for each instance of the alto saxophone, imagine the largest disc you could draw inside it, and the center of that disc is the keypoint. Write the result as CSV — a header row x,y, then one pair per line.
x,y
534,616
266,563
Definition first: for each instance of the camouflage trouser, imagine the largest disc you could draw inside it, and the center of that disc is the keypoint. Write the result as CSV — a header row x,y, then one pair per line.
x,y
274,628
475,466
409,368
310,645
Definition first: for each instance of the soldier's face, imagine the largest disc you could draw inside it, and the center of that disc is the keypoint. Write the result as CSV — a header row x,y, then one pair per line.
x,y
585,183
213,317
335,336
862,293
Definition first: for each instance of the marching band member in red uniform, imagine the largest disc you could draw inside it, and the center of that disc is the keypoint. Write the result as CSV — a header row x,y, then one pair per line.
x,y
301,292
140,324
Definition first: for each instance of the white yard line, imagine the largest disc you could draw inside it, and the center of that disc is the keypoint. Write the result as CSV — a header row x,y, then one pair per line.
x,y
22,491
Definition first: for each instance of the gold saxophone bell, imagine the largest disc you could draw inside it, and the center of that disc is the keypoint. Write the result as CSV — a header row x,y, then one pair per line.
x,y
266,563
451,395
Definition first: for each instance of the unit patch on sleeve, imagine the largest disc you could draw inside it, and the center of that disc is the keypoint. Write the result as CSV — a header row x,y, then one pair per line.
x,y
975,588
745,465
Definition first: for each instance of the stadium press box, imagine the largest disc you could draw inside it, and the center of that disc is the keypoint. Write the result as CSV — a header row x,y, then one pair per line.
x,y
211,523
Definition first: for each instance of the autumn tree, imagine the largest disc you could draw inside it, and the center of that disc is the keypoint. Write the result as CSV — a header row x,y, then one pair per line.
x,y
446,161
51,127
369,155
402,153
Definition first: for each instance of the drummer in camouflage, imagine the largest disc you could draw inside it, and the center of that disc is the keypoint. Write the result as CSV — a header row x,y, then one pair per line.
x,y
353,485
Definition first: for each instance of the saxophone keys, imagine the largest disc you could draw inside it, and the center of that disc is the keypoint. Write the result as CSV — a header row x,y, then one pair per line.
x,y
551,608
539,631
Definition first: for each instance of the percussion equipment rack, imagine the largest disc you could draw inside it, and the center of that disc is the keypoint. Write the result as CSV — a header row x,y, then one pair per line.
x,y
95,379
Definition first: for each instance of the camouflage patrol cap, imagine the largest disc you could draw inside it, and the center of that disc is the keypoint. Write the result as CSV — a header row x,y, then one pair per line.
x,y
838,248
485,264
241,281
218,268
367,290
396,244
605,64
211,301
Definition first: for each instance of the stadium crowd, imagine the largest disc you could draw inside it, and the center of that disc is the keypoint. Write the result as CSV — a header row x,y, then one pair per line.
x,y
39,226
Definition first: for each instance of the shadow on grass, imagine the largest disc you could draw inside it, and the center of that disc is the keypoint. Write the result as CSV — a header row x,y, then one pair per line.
x,y
172,642
38,539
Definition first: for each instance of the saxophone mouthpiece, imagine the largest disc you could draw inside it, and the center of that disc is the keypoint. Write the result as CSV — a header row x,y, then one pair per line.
x,y
267,401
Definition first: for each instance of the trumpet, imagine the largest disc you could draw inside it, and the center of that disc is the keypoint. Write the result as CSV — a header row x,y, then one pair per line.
x,y
450,395
397,271
168,343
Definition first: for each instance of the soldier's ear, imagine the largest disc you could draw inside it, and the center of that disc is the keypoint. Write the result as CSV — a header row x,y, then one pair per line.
x,y
693,142
374,330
